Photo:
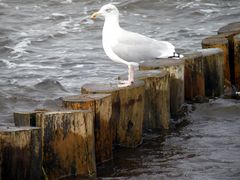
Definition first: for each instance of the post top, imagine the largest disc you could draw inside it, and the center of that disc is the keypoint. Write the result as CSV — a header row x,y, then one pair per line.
x,y
67,111
17,129
162,62
230,28
108,88
210,51
145,74
215,39
85,97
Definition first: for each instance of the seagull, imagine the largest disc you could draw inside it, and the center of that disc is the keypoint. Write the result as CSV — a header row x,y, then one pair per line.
x,y
127,47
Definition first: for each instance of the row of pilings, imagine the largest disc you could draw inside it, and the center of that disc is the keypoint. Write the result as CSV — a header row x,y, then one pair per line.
x,y
72,141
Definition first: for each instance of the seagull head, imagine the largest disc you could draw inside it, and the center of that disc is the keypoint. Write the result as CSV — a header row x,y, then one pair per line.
x,y
106,11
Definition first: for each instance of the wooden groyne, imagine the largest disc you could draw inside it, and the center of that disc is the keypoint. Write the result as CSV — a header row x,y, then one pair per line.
x,y
73,140
127,111
20,153
175,68
156,99
228,40
101,105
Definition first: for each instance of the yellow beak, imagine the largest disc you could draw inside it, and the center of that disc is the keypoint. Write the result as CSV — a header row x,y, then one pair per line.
x,y
94,15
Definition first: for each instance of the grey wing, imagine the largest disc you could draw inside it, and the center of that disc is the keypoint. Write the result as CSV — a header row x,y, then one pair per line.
x,y
135,47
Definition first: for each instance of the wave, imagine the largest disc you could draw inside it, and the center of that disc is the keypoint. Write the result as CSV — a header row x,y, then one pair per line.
x,y
55,16
66,2
20,47
36,66
8,64
50,85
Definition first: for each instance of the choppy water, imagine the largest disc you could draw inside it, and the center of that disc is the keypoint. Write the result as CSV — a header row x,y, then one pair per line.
x,y
49,48
206,148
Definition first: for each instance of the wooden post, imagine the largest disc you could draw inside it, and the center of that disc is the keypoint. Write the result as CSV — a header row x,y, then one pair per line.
x,y
27,118
20,153
213,63
24,118
230,28
229,31
68,143
175,67
194,77
237,60
157,98
101,104
127,110
220,41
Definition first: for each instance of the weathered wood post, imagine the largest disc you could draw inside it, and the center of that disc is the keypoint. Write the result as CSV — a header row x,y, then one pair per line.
x,y
194,77
175,67
68,138
20,153
229,31
220,41
24,118
127,110
27,118
237,60
157,98
101,104
213,63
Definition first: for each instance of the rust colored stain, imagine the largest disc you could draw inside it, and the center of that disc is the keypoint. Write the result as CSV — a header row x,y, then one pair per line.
x,y
200,89
221,42
237,60
102,106
69,144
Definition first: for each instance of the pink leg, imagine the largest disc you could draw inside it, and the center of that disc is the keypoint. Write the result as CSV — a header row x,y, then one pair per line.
x,y
130,77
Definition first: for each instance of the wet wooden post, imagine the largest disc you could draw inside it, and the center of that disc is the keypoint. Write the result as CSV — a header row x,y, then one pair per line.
x,y
157,98
27,118
220,41
194,77
127,110
20,153
213,63
24,118
68,139
237,60
229,31
101,104
175,67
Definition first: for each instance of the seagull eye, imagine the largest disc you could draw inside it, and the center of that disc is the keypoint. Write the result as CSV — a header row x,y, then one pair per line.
x,y
108,10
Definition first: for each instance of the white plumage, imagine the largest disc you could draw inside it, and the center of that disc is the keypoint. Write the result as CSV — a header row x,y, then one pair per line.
x,y
128,47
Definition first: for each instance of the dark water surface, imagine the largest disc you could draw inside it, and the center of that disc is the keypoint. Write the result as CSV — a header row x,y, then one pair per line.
x,y
206,148
50,48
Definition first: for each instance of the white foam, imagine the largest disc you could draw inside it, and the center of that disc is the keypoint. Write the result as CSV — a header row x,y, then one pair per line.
x,y
27,65
4,5
21,46
54,16
58,14
79,66
209,10
66,2
9,64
